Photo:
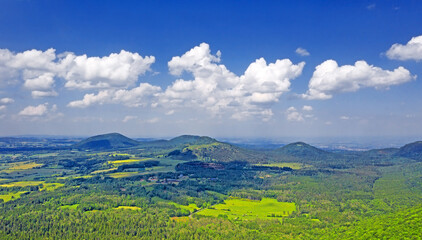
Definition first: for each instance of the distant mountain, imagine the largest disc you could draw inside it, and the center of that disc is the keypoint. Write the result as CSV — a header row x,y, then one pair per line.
x,y
106,141
191,140
411,150
301,150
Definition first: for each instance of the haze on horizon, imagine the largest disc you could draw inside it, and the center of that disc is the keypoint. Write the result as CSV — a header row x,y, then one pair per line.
x,y
221,69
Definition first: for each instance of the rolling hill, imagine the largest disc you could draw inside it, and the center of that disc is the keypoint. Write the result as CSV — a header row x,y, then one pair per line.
x,y
105,142
411,150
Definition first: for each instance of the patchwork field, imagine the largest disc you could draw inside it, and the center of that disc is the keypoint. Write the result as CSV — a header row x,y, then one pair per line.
x,y
245,209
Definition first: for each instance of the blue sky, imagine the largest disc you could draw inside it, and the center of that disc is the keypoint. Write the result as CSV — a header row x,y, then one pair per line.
x,y
220,68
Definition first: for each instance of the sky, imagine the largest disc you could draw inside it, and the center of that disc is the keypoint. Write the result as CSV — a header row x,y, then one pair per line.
x,y
242,69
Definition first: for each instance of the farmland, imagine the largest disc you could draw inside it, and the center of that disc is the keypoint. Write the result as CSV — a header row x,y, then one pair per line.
x,y
188,184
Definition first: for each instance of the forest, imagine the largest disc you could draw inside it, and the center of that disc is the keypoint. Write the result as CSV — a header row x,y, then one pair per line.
x,y
191,187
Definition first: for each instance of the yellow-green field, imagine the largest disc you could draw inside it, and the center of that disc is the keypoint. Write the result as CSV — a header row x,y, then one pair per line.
x,y
11,196
132,160
122,174
103,171
74,177
74,206
51,186
180,219
45,186
128,208
295,166
25,166
4,179
22,184
191,207
245,209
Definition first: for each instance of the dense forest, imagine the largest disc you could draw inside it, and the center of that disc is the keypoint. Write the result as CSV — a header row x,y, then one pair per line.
x,y
112,187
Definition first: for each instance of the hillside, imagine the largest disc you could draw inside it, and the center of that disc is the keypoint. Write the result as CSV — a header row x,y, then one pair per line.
x,y
106,141
411,150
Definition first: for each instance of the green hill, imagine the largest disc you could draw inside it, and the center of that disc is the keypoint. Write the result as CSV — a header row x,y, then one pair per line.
x,y
411,150
106,141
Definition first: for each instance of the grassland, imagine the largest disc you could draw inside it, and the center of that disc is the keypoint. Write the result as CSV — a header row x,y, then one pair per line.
x,y
132,160
11,196
103,171
22,184
245,209
295,166
51,186
128,208
122,174
45,186
25,166
73,206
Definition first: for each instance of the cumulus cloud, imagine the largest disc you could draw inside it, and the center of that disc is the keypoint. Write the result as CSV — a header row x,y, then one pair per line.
x,y
135,97
40,69
307,108
293,115
39,110
411,51
302,52
217,90
116,70
2,107
329,78
6,100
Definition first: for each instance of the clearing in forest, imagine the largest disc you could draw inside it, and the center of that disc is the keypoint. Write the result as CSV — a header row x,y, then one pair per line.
x,y
245,209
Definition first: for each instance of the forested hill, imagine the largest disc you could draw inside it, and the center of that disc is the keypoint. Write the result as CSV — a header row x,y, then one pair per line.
x,y
106,141
190,147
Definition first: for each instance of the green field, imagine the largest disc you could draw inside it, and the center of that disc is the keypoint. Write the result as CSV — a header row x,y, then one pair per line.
x,y
295,166
121,162
74,206
245,209
128,208
45,186
25,166
51,186
11,196
22,184
122,174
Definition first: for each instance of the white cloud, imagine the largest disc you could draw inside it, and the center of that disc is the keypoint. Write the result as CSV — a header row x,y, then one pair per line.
x,y
39,110
44,81
171,112
293,115
39,70
307,108
2,107
328,78
6,100
129,118
135,97
116,70
218,90
411,51
302,52
344,117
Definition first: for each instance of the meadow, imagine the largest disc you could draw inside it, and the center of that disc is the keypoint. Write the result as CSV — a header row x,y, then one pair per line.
x,y
246,209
